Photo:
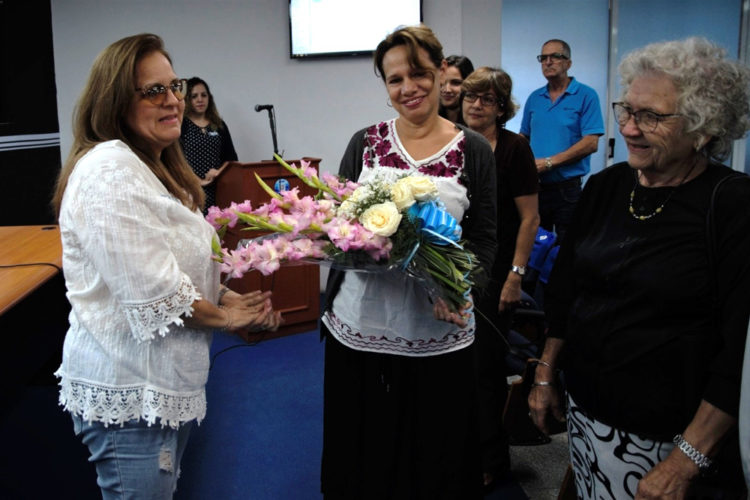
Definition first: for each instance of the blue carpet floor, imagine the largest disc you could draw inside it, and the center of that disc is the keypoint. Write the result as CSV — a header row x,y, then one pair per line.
x,y
262,436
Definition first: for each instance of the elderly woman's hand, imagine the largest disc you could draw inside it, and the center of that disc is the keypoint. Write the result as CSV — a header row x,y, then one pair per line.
x,y
544,400
669,479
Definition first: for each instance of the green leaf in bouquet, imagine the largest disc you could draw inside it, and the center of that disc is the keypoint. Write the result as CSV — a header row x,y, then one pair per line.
x,y
315,182
266,187
216,247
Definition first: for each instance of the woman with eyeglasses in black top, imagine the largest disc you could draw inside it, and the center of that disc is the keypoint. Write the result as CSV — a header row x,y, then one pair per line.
x,y
487,106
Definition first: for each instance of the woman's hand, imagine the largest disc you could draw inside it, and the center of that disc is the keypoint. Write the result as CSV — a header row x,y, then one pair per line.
x,y
234,299
211,176
544,402
443,313
511,292
669,479
250,312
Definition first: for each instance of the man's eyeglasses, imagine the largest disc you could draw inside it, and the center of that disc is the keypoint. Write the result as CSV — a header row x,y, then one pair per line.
x,y
646,120
485,99
555,56
157,93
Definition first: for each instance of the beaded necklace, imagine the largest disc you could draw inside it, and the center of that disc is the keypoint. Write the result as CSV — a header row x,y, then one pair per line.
x,y
660,207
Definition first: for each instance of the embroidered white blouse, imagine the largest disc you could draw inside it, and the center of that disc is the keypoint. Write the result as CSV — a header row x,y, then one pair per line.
x,y
134,261
390,312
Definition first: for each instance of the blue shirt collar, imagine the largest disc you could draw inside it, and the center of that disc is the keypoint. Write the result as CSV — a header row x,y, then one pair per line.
x,y
572,87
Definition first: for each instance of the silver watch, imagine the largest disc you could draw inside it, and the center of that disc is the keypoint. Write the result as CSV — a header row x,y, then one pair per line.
x,y
519,270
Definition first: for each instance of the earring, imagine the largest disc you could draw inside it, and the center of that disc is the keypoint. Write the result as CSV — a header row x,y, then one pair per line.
x,y
388,102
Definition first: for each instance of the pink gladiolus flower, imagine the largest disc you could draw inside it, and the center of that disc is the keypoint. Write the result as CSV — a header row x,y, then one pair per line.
x,y
380,250
301,248
229,214
291,196
213,214
307,170
344,234
234,263
245,207
266,260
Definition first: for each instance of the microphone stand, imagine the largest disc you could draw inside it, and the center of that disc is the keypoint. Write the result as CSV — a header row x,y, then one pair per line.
x,y
272,123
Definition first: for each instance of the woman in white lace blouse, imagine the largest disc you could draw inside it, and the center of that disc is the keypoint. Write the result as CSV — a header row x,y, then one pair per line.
x,y
140,279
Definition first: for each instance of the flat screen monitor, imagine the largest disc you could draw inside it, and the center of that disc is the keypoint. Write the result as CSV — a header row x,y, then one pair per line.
x,y
324,28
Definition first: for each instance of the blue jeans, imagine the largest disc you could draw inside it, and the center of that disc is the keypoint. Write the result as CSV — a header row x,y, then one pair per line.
x,y
557,202
134,461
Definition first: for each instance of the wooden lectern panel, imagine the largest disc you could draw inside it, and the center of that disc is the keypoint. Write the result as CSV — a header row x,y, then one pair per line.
x,y
295,287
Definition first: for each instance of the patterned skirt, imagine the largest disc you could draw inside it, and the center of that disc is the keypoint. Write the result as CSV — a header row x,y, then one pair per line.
x,y
608,462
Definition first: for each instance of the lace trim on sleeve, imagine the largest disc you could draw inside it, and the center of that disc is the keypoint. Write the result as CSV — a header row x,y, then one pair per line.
x,y
146,319
115,406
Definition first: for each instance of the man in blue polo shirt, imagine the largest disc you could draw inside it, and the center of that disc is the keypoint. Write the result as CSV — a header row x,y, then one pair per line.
x,y
563,122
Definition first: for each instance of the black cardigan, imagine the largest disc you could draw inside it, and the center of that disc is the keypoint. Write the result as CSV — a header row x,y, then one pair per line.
x,y
479,224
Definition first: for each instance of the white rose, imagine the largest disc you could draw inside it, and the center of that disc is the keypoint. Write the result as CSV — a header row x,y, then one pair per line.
x,y
382,219
422,188
401,194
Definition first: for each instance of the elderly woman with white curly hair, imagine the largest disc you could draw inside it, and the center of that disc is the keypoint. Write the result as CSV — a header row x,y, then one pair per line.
x,y
648,302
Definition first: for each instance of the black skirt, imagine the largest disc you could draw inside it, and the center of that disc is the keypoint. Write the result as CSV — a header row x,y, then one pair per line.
x,y
399,427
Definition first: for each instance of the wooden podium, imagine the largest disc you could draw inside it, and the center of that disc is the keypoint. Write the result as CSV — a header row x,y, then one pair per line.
x,y
295,287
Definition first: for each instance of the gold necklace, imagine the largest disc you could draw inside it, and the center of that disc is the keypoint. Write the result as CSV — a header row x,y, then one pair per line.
x,y
660,207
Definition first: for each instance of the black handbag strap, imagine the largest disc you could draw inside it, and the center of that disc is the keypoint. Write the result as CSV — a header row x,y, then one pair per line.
x,y
712,243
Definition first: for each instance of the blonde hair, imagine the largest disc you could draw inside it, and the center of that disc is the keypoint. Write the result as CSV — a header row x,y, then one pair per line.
x,y
100,116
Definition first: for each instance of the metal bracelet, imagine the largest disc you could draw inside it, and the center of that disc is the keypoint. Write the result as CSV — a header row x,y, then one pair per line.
x,y
540,362
222,291
698,458
541,384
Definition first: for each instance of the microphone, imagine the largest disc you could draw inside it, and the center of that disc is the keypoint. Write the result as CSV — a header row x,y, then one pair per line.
x,y
261,107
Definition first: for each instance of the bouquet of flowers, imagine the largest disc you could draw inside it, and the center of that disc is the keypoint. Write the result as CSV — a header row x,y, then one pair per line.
x,y
371,227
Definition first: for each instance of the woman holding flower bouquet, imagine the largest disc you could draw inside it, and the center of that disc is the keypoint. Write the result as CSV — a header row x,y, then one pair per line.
x,y
143,287
400,406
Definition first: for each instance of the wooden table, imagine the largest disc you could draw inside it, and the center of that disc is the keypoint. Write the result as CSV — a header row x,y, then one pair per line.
x,y
22,245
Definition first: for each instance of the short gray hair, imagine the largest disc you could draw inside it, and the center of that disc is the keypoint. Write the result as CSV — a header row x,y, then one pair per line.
x,y
714,92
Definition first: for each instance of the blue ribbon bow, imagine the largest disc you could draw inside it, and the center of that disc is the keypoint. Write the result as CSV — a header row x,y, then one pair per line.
x,y
438,226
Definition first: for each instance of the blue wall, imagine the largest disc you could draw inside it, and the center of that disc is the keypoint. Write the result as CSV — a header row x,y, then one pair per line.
x,y
584,24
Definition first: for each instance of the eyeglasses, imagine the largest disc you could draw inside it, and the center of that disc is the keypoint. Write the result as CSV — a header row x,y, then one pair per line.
x,y
485,99
555,56
646,120
157,93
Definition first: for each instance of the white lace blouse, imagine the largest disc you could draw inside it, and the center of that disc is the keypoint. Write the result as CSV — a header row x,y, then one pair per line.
x,y
134,260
